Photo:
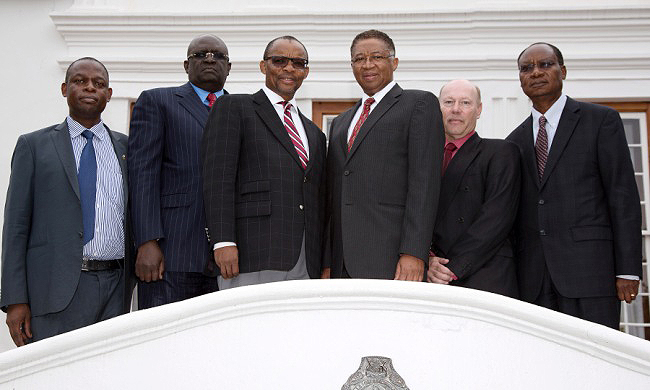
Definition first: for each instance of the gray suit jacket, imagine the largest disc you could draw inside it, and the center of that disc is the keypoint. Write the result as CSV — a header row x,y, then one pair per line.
x,y
42,235
383,195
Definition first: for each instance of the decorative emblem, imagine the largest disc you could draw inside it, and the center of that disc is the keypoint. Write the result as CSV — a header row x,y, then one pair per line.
x,y
375,373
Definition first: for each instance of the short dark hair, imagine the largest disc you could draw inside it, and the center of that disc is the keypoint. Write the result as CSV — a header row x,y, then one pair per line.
x,y
558,53
285,37
67,72
369,34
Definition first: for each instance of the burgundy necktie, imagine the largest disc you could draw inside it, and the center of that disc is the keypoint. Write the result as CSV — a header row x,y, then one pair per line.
x,y
293,134
211,99
446,158
541,147
362,118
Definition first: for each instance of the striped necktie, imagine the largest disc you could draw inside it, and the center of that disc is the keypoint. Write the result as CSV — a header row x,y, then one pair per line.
x,y
293,134
541,147
362,118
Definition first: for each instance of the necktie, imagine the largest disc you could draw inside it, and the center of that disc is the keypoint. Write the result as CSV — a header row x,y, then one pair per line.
x,y
446,158
293,134
211,99
362,118
87,177
541,147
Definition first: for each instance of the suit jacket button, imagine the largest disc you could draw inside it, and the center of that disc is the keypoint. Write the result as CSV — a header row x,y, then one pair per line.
x,y
541,201
304,180
81,234
301,207
346,173
542,232
466,189
461,220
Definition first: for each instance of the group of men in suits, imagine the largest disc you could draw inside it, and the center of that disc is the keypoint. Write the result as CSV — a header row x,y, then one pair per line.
x,y
232,190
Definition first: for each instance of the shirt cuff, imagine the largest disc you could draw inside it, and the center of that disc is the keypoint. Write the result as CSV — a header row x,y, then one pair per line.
x,y
628,277
223,244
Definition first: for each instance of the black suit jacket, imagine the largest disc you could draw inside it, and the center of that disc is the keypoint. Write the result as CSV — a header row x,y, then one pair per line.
x,y
255,189
42,241
479,198
383,194
165,173
583,221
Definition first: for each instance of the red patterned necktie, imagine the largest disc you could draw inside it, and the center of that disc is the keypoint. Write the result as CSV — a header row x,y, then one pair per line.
x,y
211,99
293,134
541,147
446,158
362,118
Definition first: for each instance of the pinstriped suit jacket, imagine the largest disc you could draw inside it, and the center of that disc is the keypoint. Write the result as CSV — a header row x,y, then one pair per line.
x,y
256,192
165,178
383,195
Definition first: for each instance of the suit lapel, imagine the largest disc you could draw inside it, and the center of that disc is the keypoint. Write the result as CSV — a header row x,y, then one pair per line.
x,y
63,145
565,128
270,118
456,171
120,152
384,105
312,140
527,143
188,98
340,135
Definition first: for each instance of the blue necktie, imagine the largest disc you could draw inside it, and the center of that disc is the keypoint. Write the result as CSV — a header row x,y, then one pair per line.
x,y
87,177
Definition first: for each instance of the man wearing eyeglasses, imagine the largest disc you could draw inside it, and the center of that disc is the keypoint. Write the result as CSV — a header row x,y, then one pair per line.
x,y
383,172
164,174
578,231
263,171
471,244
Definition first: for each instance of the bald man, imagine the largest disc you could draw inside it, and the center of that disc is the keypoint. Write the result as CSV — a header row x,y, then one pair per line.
x,y
478,200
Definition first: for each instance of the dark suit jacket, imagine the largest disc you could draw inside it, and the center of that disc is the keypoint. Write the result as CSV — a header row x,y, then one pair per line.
x,y
383,195
479,198
256,192
583,222
42,242
165,173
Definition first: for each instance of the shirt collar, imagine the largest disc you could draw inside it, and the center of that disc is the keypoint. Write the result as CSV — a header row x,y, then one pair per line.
x,y
461,141
553,114
274,98
379,95
203,94
75,128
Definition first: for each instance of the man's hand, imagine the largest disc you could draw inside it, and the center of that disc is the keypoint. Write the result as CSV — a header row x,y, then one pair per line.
x,y
326,273
438,273
19,322
409,268
227,259
150,262
627,289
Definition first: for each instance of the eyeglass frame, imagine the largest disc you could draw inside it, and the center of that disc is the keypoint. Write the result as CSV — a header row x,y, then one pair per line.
x,y
203,55
286,61
374,59
541,65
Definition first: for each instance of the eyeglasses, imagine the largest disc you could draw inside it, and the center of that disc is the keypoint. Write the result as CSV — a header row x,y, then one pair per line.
x,y
281,61
542,65
374,59
202,55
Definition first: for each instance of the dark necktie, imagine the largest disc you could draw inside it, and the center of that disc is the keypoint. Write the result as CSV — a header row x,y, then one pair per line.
x,y
446,158
362,118
211,99
87,177
293,134
541,147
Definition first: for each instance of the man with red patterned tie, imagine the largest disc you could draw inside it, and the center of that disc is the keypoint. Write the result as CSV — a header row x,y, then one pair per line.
x,y
383,172
165,179
578,231
263,177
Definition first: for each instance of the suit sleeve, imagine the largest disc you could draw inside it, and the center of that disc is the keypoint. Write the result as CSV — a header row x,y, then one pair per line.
x,y
17,225
220,158
425,147
146,140
494,221
617,175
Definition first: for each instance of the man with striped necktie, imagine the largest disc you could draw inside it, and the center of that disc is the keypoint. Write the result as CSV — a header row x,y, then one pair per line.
x,y
263,171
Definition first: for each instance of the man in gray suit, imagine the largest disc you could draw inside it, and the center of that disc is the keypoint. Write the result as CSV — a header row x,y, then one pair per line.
x,y
65,243
383,172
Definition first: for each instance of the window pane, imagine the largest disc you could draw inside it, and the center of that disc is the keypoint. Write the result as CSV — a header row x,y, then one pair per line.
x,y
632,132
639,186
637,160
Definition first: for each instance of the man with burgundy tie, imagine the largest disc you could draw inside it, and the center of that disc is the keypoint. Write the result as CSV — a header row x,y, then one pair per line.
x,y
66,248
263,177
165,178
383,172
479,196
578,231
